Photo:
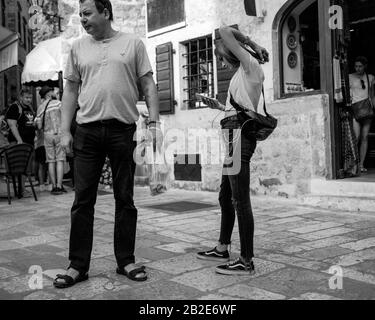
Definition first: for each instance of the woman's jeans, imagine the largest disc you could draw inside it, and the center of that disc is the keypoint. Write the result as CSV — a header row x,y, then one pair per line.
x,y
235,189
92,142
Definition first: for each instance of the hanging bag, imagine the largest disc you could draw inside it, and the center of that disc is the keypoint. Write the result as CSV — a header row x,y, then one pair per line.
x,y
253,123
364,109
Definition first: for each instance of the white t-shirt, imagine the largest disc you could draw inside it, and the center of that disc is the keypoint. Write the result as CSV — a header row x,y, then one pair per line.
x,y
246,86
356,91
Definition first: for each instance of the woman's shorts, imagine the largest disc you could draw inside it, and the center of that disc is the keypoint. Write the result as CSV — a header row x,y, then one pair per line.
x,y
54,150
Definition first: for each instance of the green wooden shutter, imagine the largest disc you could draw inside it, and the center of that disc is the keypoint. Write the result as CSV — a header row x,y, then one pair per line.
x,y
223,75
164,77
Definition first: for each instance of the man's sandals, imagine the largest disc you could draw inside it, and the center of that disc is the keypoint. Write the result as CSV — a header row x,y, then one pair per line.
x,y
68,280
132,275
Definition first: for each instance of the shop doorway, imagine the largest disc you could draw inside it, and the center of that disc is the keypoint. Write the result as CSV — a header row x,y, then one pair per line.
x,y
361,15
363,44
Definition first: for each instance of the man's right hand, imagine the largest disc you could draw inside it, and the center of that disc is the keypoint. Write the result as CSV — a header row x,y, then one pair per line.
x,y
19,141
67,142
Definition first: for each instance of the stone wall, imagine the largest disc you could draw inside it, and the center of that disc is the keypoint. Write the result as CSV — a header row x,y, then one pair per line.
x,y
129,15
13,74
295,153
283,165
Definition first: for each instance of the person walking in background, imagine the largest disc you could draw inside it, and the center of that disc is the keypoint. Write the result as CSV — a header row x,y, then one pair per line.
x,y
105,66
40,157
106,177
245,88
49,122
361,89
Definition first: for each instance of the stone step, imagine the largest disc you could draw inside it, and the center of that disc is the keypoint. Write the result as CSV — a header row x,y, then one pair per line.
x,y
343,203
354,187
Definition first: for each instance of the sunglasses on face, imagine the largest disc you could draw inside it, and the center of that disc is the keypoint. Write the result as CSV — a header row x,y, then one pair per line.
x,y
363,84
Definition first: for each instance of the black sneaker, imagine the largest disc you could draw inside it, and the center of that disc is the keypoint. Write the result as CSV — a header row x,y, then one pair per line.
x,y
213,255
62,189
236,267
55,191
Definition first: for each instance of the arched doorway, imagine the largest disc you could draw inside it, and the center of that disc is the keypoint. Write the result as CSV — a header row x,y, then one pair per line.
x,y
302,55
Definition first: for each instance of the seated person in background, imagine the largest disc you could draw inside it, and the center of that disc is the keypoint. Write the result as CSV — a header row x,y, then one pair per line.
x,y
49,121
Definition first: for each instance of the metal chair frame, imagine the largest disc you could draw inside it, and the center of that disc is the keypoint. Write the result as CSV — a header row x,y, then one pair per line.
x,y
17,163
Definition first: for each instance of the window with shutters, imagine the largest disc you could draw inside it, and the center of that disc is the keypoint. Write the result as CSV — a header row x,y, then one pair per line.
x,y
198,70
5,91
255,8
24,25
19,12
250,7
164,16
20,69
30,40
164,77
3,9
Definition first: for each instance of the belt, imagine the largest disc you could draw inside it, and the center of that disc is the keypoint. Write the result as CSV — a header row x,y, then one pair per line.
x,y
107,123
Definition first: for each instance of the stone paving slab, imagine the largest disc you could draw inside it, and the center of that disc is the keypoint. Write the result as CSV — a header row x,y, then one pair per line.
x,y
328,242
326,233
351,290
251,293
315,296
360,244
353,258
295,247
206,279
290,281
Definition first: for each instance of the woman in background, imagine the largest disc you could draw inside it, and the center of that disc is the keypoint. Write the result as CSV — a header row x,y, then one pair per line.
x,y
361,86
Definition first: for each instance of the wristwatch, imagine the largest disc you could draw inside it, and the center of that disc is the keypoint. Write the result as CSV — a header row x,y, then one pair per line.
x,y
153,121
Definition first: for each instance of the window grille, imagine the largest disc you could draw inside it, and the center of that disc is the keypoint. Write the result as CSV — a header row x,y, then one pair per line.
x,y
198,70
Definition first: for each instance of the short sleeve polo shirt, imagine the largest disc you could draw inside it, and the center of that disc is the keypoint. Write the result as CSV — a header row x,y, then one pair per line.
x,y
108,71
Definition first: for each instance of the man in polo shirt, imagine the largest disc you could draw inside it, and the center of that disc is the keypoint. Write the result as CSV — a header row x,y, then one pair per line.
x,y
102,73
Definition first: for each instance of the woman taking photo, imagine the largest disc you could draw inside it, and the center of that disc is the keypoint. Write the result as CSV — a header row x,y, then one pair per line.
x,y
245,88
361,89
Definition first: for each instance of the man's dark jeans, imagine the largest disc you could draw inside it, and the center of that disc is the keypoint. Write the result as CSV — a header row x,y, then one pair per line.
x,y
234,194
92,142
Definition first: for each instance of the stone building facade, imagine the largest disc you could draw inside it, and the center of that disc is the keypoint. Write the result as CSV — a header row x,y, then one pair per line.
x,y
298,86
129,15
15,17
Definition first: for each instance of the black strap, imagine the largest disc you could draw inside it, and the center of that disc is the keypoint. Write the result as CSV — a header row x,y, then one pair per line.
x,y
369,97
264,103
368,83
44,114
68,279
137,271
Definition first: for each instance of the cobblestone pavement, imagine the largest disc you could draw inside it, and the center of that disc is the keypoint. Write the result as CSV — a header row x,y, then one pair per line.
x,y
299,251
